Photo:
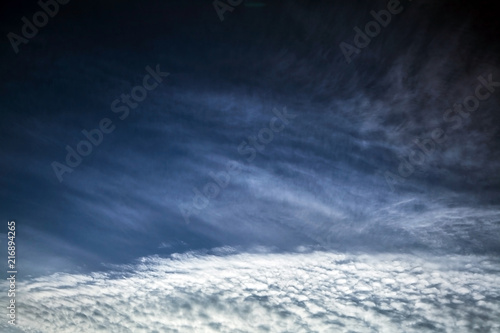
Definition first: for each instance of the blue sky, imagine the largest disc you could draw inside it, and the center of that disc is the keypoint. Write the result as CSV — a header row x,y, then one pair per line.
x,y
320,181
343,174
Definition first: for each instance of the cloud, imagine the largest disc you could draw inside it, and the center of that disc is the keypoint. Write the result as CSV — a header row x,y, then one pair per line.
x,y
269,292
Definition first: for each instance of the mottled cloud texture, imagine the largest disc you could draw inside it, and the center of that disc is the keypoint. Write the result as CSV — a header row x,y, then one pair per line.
x,y
266,292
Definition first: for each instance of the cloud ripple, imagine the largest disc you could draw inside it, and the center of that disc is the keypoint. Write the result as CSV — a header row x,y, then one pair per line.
x,y
269,292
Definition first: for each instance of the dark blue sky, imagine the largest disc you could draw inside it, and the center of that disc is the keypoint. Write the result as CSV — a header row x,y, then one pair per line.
x,y
328,178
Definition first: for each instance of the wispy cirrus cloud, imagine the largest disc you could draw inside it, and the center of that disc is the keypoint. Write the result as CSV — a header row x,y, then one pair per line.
x,y
320,182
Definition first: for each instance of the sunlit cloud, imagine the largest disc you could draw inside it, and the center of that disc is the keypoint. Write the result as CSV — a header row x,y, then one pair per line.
x,y
269,292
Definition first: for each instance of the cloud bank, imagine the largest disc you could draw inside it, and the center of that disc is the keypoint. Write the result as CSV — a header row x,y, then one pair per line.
x,y
267,292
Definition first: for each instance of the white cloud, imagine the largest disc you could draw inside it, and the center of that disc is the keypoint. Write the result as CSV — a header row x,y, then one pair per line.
x,y
266,292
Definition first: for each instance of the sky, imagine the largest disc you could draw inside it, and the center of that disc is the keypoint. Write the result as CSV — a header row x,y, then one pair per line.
x,y
242,157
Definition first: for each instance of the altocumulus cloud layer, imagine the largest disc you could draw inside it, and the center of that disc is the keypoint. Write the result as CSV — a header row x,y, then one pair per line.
x,y
268,292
